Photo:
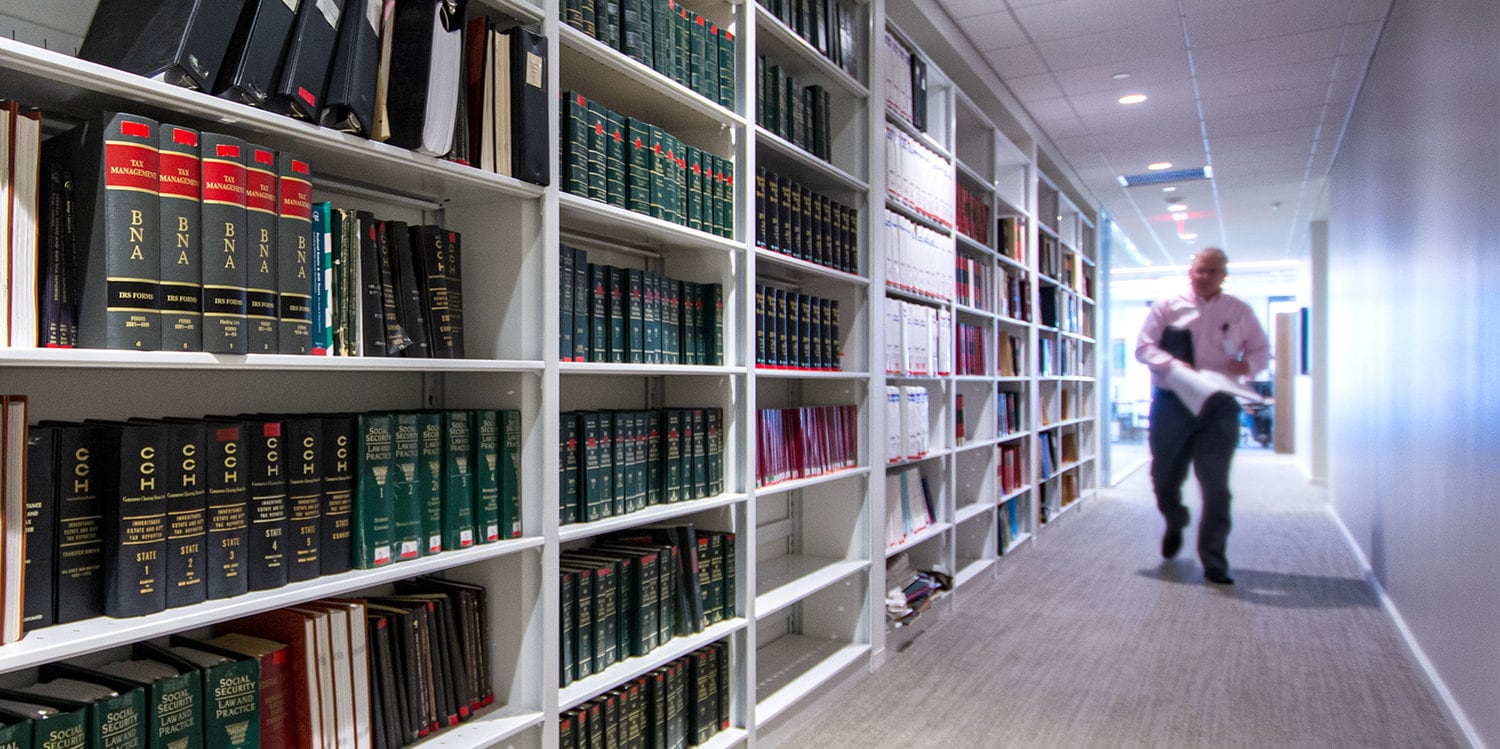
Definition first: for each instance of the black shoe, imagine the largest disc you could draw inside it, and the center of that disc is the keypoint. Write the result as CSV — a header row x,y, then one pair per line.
x,y
1218,578
1171,542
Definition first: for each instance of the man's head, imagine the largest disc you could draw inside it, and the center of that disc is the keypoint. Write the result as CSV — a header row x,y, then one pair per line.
x,y
1207,272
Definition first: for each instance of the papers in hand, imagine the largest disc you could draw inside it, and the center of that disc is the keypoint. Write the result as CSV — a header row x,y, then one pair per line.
x,y
1194,387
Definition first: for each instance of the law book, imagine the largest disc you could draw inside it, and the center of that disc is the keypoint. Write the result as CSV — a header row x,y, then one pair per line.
x,y
427,481
567,626
114,161
569,483
260,253
81,492
528,61
614,159
565,304
226,249
460,682
598,312
349,102
183,476
277,725
638,157
302,546
179,184
635,316
337,451
726,67
133,515
13,512
40,544
253,57
303,75
597,168
228,499
438,681
510,473
606,592
269,468
431,272
372,325
181,42
385,729
581,577
616,314
425,65
112,718
486,435
374,503
416,709
479,91
173,700
122,715
335,672
231,685
295,265
471,621
596,503
574,142
61,722
454,248
410,302
457,480
396,338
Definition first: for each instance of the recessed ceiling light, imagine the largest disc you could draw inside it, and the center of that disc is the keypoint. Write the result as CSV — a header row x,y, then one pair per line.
x,y
1120,76
1132,98
1190,236
1160,165
1177,207
1180,216
1169,189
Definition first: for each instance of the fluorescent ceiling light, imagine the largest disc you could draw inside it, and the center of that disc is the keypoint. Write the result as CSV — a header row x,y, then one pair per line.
x,y
1190,236
1120,76
1179,216
1169,189
1177,207
1160,165
1132,98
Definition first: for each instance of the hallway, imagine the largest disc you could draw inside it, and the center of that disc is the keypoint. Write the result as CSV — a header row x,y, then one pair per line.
x,y
1087,639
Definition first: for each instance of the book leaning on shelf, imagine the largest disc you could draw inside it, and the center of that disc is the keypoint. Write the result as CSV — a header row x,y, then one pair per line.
x,y
683,703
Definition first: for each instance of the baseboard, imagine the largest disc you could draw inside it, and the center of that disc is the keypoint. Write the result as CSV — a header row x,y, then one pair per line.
x,y
1440,691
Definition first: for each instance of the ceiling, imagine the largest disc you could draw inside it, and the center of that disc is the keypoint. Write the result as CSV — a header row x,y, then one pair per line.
x,y
1258,90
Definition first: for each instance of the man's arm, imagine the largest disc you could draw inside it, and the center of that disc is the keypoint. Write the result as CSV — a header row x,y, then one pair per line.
x,y
1256,353
1148,348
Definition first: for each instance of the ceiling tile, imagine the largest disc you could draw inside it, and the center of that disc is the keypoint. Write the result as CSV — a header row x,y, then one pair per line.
x,y
1117,45
1211,24
1302,136
1015,62
1148,75
1260,53
1034,87
993,30
1262,122
1268,78
961,9
1069,18
1217,104
1046,111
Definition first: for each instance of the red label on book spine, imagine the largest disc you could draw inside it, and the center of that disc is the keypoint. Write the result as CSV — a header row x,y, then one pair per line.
x,y
223,182
179,175
130,166
260,190
296,199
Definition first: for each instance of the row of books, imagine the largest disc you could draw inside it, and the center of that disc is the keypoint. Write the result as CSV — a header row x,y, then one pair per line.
x,y
1011,525
830,26
614,463
796,331
504,105
1015,295
796,443
973,281
960,435
908,506
918,339
972,215
918,259
918,178
627,594
1011,469
802,115
908,432
1010,360
626,315
1057,309
382,288
1008,414
905,81
665,36
1052,357
133,517
632,164
793,220
969,355
393,73
1012,231
683,703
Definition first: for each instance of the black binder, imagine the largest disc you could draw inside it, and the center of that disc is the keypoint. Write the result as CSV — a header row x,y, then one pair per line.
x,y
304,71
251,65
530,159
349,104
1179,343
424,66
181,42
918,93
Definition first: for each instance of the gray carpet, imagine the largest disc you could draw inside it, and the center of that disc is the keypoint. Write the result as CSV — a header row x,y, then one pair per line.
x,y
1085,638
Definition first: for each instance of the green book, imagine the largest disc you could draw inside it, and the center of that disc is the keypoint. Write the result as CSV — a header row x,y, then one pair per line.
x,y
580,321
575,143
565,307
567,650
614,159
659,186
726,197
596,503
231,689
638,166
486,461
429,484
713,608
644,581
673,455
616,313
713,323
17,732
638,463
457,480
632,30
595,122
374,497
617,432
116,711
655,476
583,616
683,20
598,312
406,507
662,40
586,15
726,68
173,698
714,460
510,468
677,159
651,317
635,316
61,724
700,454
697,40
567,460
694,191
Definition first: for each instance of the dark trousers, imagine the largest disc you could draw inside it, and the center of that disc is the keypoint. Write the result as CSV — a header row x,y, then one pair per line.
x,y
1206,442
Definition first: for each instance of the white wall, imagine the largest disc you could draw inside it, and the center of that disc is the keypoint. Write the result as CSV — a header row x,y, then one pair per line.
x,y
1414,284
1312,388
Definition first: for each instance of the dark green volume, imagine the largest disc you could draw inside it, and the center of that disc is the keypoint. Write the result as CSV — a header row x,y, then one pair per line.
x,y
458,480
373,498
406,509
510,469
429,483
486,436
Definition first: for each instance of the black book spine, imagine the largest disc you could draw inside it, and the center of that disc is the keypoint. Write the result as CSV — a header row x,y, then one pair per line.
x,y
396,340
82,487
530,157
228,496
349,102
565,311
39,608
432,273
294,262
225,247
304,69
248,73
409,305
180,296
260,271
335,527
135,522
372,310
304,480
454,270
267,561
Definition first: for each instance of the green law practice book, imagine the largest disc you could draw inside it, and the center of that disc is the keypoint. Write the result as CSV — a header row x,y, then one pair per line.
x,y
510,467
486,437
374,497
428,486
458,480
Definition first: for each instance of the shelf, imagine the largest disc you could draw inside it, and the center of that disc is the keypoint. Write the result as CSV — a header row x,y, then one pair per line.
x,y
932,379
800,374
66,85
582,690
793,668
926,534
1012,437
488,727
1065,423
974,378
986,185
622,227
967,572
975,311
1047,230
912,296
1012,262
896,119
1015,494
725,739
966,242
652,514
785,580
520,10
63,641
786,159
805,268
969,512
933,454
1015,321
769,28
792,485
625,85
975,445
1062,508
917,218
649,370
1016,542
184,360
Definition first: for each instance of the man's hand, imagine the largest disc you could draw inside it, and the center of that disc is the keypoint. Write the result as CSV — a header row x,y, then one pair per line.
x,y
1239,368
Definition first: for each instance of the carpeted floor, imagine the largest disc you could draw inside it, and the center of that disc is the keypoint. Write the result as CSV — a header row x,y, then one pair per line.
x,y
1086,638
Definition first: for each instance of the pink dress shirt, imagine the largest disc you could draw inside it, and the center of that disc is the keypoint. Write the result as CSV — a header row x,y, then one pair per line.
x,y
1223,328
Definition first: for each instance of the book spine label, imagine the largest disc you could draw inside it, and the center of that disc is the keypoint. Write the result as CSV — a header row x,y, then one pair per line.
x,y
181,293
305,498
260,256
225,245
296,269
373,499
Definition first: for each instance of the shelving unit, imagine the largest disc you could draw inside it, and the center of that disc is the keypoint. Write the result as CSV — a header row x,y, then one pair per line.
x,y
812,552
